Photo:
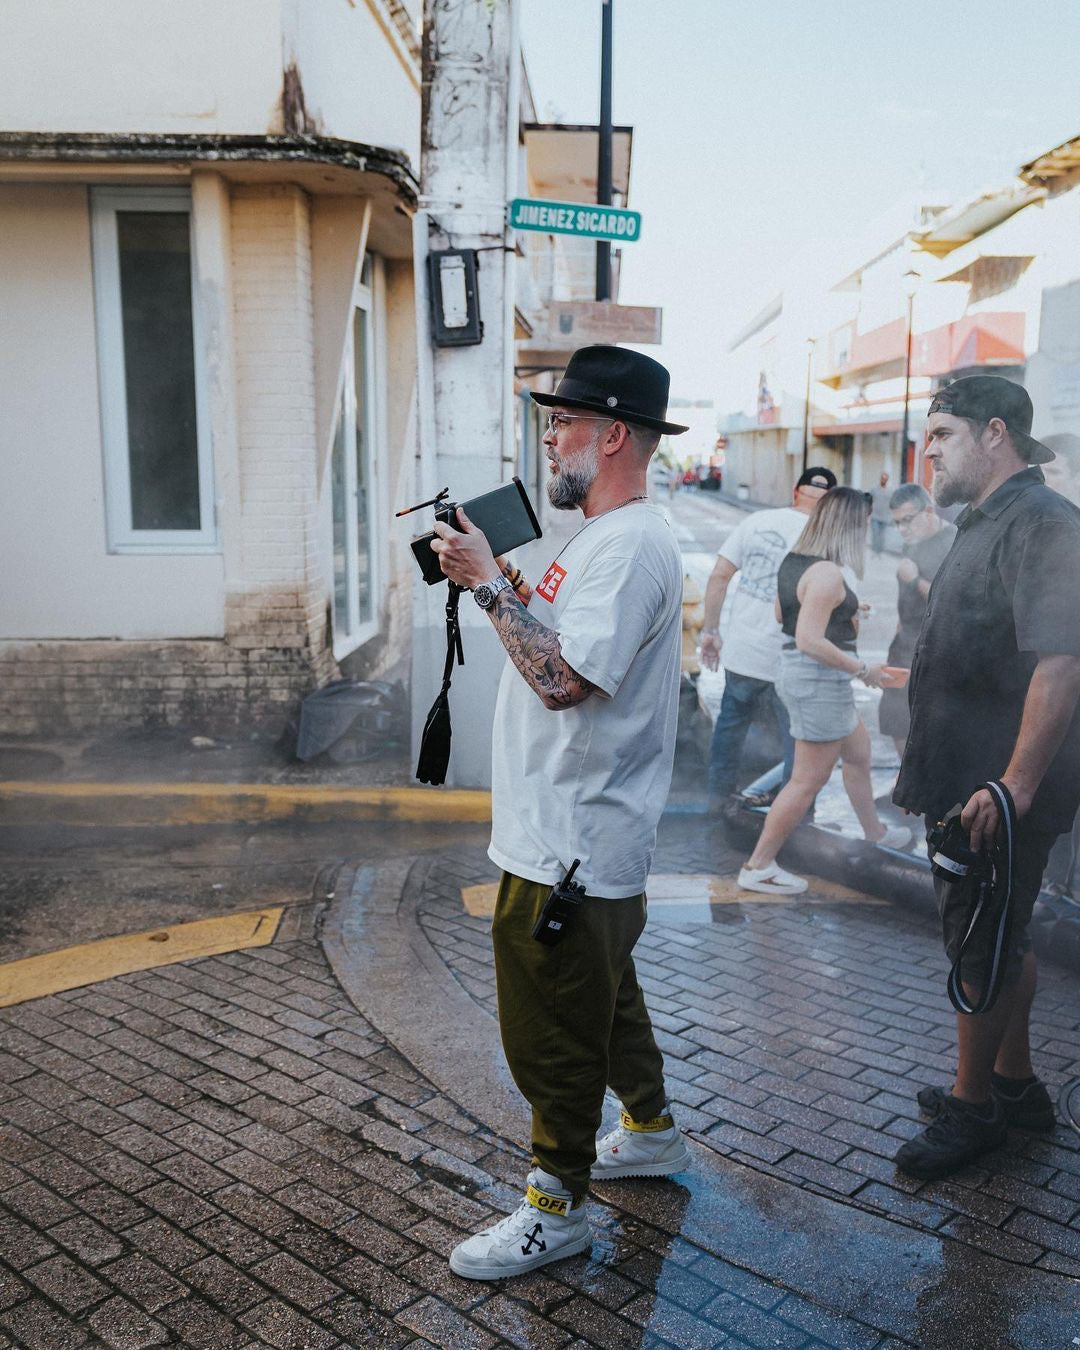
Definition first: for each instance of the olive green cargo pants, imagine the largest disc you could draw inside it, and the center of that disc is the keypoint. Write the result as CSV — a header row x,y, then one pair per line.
x,y
573,1022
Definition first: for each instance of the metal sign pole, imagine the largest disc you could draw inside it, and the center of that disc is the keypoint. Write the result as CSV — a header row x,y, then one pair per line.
x,y
603,165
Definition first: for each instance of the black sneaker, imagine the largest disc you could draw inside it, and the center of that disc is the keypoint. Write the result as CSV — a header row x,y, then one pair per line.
x,y
955,1137
1028,1109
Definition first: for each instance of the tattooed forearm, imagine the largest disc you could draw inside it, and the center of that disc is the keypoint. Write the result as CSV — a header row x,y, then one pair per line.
x,y
534,650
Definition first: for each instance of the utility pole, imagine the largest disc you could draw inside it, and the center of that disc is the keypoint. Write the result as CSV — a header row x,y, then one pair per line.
x,y
465,433
806,404
604,155
911,280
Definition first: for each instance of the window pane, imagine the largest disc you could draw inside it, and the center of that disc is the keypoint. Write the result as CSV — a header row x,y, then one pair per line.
x,y
364,540
159,368
338,497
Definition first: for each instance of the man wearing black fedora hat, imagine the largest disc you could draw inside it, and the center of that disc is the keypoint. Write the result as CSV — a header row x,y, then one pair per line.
x,y
995,679
584,737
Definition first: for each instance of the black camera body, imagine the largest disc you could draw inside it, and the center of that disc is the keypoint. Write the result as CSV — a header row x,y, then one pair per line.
x,y
505,515
951,856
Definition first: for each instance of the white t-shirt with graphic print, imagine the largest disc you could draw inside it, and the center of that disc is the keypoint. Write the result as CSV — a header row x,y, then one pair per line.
x,y
757,546
590,781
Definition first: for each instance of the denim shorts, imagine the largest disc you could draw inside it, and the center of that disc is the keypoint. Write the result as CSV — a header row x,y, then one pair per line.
x,y
819,700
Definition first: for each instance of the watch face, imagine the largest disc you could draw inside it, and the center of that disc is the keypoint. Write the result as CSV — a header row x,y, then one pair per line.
x,y
486,593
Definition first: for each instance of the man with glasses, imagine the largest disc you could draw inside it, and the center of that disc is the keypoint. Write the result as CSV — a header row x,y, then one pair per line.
x,y
927,538
583,744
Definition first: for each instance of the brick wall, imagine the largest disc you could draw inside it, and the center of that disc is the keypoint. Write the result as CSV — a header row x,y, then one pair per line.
x,y
277,599
49,688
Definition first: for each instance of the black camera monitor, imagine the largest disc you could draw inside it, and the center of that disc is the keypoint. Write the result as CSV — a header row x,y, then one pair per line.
x,y
505,515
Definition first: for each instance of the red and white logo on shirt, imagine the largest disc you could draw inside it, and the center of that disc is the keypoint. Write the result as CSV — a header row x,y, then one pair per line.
x,y
553,579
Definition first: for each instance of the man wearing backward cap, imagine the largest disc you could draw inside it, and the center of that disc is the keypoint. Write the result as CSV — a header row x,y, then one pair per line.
x,y
993,692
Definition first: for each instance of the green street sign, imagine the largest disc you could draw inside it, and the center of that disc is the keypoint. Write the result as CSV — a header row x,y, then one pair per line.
x,y
591,222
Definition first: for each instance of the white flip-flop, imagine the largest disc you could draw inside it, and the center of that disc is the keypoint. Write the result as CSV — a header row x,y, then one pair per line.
x,y
771,880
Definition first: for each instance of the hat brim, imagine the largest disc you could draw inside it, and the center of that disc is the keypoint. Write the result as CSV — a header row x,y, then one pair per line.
x,y
616,414
1032,451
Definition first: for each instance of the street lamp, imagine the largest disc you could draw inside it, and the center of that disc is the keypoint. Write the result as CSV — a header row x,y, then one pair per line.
x,y
911,282
810,342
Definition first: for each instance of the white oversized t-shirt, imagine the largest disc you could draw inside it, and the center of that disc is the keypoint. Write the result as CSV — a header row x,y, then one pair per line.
x,y
757,546
590,781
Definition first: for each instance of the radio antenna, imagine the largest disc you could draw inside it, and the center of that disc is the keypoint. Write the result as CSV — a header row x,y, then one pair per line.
x,y
420,505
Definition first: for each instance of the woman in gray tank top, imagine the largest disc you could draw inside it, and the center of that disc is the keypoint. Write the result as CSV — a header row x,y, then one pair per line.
x,y
818,613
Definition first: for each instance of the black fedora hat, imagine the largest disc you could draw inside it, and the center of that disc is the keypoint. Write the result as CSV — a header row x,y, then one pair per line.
x,y
980,397
624,385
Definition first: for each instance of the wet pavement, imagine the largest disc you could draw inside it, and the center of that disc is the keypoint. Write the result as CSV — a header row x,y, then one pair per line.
x,y
796,1035
278,1147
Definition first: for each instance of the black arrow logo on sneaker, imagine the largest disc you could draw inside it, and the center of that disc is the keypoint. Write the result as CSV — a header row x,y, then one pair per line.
x,y
534,1240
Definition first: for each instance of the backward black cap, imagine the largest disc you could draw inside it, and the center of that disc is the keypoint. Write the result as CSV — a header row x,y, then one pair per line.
x,y
981,397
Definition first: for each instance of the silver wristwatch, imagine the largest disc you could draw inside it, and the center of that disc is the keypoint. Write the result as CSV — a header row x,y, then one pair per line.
x,y
487,592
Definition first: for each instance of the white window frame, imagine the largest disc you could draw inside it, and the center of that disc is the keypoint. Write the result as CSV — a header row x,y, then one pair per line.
x,y
121,536
367,298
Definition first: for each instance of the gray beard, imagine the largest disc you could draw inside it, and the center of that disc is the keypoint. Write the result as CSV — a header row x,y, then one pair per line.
x,y
569,487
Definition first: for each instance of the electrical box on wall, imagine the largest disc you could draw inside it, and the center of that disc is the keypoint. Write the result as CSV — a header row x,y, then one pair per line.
x,y
455,299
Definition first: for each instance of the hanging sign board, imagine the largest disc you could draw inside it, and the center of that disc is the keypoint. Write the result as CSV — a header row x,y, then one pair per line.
x,y
583,321
583,219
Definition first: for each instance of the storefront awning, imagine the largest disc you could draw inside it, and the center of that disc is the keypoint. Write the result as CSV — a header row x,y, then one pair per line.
x,y
1056,168
964,223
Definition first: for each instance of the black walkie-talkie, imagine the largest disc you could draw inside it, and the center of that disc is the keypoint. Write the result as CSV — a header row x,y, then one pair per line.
x,y
559,909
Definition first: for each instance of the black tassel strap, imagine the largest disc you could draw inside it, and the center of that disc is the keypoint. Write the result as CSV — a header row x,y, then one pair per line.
x,y
435,739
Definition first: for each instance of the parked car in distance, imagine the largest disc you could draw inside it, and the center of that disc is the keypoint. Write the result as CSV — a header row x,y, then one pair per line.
x,y
710,477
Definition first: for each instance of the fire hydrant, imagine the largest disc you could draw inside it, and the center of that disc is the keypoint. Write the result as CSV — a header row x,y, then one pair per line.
x,y
693,619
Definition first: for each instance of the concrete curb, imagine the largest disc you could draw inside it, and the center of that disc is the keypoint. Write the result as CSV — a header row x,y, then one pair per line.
x,y
882,872
902,878
371,937
147,804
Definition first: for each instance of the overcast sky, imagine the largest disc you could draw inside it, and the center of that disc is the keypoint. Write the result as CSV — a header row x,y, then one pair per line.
x,y
769,130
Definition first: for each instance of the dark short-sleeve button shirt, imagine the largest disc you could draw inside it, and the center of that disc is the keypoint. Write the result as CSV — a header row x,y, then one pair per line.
x,y
1007,593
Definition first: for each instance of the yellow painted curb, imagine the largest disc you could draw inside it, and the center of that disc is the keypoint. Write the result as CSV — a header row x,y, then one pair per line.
x,y
75,967
120,804
681,896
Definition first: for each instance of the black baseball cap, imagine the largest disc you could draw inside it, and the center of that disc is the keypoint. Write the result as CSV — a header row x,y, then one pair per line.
x,y
981,397
818,476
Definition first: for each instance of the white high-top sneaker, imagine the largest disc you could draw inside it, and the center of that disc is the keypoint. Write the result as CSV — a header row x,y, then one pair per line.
x,y
545,1227
648,1148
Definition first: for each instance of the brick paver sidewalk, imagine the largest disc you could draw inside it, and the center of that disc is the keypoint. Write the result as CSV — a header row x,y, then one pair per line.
x,y
224,1153
796,1035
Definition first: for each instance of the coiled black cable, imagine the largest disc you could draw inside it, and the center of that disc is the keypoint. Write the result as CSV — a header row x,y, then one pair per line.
x,y
993,908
